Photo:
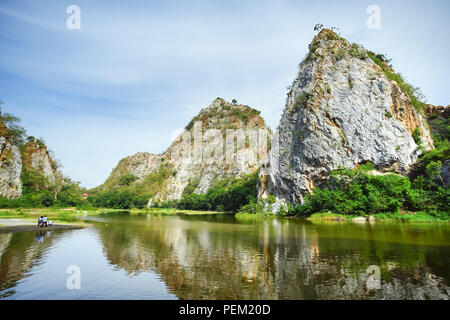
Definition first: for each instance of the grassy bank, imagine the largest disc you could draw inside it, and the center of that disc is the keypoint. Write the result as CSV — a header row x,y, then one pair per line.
x,y
60,215
180,212
411,217
381,217
329,216
72,214
155,211
253,216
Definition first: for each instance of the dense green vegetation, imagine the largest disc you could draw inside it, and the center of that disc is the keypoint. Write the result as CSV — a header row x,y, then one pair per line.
x,y
356,192
126,191
127,179
39,193
124,199
226,195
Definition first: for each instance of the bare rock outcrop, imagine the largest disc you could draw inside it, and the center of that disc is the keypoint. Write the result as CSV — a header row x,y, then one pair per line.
x,y
10,165
342,110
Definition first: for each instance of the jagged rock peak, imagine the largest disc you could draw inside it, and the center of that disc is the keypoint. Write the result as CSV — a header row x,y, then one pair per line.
x,y
217,102
223,115
346,107
326,34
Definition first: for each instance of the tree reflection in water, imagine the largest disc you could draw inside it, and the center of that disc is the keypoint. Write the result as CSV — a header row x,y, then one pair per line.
x,y
280,259
218,257
19,252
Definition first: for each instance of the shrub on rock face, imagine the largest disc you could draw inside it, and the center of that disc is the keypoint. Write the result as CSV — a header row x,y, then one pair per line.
x,y
416,135
127,179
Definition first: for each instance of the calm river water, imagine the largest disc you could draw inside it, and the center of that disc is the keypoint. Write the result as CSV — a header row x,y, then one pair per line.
x,y
218,257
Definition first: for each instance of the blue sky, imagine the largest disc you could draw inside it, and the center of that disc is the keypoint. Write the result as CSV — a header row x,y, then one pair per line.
x,y
137,71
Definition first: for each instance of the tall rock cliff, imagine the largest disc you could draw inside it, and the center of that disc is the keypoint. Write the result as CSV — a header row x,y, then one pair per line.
x,y
36,157
223,140
10,165
346,107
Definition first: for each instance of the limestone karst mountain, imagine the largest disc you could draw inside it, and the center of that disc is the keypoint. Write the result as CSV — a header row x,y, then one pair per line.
x,y
36,157
10,164
346,107
17,159
223,140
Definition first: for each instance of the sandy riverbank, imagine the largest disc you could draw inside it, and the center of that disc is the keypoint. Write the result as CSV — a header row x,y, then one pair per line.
x,y
23,225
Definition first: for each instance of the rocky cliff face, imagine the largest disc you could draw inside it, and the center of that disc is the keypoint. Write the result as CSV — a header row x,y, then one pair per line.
x,y
10,165
36,157
342,110
139,165
223,140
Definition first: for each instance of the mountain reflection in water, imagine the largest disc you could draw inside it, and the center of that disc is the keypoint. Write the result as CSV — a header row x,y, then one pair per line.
x,y
218,257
